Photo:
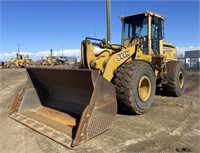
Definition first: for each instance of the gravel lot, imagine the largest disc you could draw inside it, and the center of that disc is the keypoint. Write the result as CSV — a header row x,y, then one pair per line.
x,y
171,125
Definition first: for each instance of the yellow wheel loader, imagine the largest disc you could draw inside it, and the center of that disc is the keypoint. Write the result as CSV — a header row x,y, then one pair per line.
x,y
52,60
73,106
19,61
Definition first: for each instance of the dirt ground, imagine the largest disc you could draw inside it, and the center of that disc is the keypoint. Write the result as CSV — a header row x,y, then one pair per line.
x,y
171,124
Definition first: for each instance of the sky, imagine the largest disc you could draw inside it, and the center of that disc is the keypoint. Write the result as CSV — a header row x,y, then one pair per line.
x,y
39,26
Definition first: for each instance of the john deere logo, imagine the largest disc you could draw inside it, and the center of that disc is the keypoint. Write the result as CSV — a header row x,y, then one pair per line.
x,y
123,55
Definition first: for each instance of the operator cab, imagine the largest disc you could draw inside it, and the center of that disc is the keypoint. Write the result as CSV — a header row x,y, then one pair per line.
x,y
148,27
19,56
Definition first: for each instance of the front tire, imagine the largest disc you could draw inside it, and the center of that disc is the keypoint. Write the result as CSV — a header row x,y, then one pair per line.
x,y
12,65
176,79
135,87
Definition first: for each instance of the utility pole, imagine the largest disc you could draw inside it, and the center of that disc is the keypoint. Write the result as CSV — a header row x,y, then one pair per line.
x,y
108,20
62,50
18,48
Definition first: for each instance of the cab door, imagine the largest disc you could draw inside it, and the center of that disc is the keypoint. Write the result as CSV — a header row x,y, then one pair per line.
x,y
156,34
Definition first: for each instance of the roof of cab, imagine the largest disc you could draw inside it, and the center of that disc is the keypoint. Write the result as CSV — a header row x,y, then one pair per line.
x,y
145,13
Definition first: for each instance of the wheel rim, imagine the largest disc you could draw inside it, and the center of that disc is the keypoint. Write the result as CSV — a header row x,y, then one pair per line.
x,y
12,65
144,88
181,79
26,65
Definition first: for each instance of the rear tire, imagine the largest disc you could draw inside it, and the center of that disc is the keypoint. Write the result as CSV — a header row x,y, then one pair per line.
x,y
12,65
135,87
176,79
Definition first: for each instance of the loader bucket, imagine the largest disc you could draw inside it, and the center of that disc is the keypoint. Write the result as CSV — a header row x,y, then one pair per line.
x,y
68,106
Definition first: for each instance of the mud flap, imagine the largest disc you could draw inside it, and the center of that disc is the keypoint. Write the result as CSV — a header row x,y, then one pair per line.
x,y
68,106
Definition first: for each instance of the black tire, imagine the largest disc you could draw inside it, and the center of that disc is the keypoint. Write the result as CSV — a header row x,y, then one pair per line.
x,y
26,64
2,63
176,79
128,78
12,65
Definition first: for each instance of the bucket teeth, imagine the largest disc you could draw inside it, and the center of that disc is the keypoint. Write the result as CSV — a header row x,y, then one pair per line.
x,y
50,132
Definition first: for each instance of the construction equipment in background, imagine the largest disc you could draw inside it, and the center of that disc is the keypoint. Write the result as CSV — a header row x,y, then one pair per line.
x,y
53,60
20,61
73,106
67,60
50,60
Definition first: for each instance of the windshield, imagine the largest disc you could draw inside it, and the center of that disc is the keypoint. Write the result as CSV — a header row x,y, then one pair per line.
x,y
135,26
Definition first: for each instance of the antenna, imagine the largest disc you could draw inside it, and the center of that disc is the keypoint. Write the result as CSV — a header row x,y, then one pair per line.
x,y
122,8
94,30
95,24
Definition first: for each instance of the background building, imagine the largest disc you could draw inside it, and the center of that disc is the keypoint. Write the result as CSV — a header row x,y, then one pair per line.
x,y
192,59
